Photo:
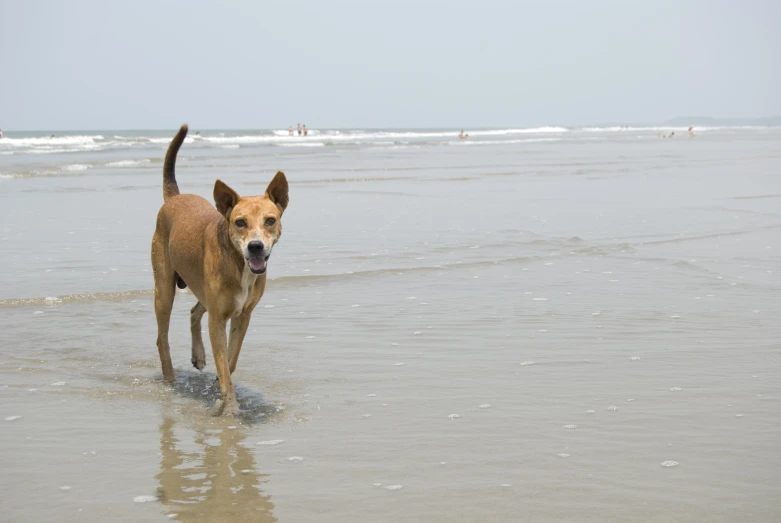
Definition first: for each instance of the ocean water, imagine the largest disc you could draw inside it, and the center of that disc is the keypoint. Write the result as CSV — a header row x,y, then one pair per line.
x,y
545,324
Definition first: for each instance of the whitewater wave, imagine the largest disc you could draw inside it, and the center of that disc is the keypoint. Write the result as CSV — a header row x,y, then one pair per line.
x,y
167,140
157,141
127,163
50,141
667,128
76,167
52,144
370,136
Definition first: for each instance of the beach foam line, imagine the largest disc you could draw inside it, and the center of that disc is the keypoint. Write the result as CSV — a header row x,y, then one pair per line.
x,y
281,282
504,142
64,173
531,130
302,144
75,298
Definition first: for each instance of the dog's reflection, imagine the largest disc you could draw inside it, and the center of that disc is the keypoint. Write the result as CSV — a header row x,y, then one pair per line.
x,y
207,474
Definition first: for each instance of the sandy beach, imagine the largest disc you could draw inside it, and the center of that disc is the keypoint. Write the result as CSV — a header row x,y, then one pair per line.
x,y
543,324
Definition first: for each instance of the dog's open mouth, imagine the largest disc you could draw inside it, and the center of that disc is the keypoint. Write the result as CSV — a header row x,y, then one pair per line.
x,y
257,264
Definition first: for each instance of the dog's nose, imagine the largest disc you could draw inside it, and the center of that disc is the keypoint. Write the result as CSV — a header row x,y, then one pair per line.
x,y
255,247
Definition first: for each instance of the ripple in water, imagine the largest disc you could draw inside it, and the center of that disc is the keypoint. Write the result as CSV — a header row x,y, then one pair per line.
x,y
669,463
570,427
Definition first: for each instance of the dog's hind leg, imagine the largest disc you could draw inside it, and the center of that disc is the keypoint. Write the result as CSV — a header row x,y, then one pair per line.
x,y
199,353
165,285
164,302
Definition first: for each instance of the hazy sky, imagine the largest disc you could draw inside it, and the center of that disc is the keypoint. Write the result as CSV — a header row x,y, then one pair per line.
x,y
104,64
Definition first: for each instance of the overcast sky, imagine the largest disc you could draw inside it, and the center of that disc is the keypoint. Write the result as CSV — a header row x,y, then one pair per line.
x,y
104,64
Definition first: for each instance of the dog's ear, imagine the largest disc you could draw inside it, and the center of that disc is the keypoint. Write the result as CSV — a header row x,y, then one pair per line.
x,y
277,191
225,198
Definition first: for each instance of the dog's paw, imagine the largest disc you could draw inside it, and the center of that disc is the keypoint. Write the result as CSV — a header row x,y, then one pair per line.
x,y
217,408
198,363
231,408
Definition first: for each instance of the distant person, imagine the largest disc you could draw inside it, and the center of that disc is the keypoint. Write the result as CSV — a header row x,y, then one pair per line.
x,y
306,131
1,134
197,133
290,131
299,129
462,135
691,131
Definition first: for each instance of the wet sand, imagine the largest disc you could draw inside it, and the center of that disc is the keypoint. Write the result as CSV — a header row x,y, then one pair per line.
x,y
578,330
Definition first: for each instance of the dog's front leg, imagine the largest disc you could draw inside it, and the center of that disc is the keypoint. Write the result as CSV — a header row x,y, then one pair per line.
x,y
219,341
238,329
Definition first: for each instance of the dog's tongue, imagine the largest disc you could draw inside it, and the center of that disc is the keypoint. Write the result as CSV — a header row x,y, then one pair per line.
x,y
257,263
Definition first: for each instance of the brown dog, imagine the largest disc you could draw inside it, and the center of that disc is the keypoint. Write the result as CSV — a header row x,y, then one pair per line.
x,y
222,255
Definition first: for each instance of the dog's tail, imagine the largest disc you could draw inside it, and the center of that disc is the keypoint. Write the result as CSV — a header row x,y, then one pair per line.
x,y
170,188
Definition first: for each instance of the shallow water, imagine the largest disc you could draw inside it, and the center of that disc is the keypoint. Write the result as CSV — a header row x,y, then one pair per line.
x,y
527,326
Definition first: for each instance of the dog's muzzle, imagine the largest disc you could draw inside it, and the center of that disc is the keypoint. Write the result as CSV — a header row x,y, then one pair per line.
x,y
257,257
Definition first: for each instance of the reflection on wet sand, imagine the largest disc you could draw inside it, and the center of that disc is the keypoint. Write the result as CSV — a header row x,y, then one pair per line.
x,y
208,474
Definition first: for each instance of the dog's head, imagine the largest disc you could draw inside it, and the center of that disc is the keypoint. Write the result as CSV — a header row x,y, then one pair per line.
x,y
254,221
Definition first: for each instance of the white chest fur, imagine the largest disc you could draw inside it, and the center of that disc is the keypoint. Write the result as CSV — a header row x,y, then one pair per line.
x,y
244,296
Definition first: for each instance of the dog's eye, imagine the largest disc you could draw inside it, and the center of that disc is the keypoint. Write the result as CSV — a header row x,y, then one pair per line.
x,y
270,221
241,223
